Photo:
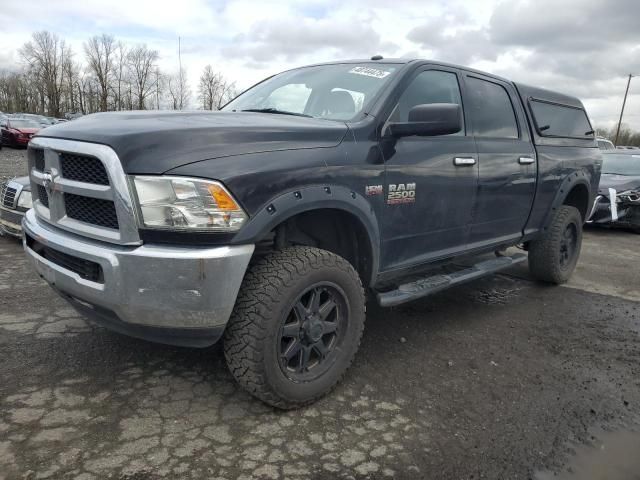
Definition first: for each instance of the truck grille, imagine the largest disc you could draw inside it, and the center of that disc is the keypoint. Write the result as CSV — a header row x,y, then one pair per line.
x,y
39,159
81,187
43,196
91,210
83,169
85,268
7,196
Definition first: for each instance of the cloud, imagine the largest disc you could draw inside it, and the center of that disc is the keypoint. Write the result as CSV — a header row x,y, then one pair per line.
x,y
567,26
291,39
581,47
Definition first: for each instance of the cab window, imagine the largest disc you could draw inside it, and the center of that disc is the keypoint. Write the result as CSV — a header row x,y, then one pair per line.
x,y
430,86
491,109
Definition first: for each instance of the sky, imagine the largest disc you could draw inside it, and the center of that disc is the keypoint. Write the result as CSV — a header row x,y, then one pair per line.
x,y
580,47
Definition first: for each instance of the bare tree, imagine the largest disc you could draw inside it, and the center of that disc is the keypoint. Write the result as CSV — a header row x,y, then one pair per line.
x,y
178,90
69,94
100,52
228,92
208,87
141,63
110,76
214,90
121,70
18,92
626,136
45,57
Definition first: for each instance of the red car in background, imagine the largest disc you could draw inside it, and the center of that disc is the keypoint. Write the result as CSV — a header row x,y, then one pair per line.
x,y
16,132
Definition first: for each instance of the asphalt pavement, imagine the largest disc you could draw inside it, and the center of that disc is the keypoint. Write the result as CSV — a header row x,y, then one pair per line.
x,y
500,378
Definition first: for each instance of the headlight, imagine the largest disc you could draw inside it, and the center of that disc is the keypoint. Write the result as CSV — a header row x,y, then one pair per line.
x,y
24,200
187,203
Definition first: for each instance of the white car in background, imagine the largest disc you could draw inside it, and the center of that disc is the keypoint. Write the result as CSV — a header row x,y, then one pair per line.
x,y
605,144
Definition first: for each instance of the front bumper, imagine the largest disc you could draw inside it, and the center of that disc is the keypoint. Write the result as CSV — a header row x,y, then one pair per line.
x,y
10,222
180,296
623,214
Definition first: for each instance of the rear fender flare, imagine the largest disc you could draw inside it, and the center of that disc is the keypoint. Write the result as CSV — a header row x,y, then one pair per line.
x,y
575,178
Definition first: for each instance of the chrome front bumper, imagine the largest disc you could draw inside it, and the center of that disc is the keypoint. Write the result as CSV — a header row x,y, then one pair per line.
x,y
149,288
10,222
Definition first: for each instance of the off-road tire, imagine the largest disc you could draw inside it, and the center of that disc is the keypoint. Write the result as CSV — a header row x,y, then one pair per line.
x,y
270,288
545,252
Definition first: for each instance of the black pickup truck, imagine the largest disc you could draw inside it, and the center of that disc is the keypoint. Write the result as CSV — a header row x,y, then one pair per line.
x,y
271,221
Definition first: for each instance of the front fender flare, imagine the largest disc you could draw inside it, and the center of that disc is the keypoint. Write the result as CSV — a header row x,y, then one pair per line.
x,y
314,197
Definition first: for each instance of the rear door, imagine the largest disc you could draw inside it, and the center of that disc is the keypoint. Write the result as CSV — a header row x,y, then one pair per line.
x,y
507,167
430,181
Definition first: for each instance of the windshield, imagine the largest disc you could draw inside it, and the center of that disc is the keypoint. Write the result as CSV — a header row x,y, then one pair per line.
x,y
621,164
332,92
23,124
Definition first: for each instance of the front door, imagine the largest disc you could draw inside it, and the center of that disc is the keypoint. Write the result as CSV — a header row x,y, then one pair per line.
x,y
506,161
430,181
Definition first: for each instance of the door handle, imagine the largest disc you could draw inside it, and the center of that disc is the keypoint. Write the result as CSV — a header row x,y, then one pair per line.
x,y
464,161
525,160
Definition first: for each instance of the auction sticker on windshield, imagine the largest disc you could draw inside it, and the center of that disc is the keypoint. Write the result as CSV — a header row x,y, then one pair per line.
x,y
369,72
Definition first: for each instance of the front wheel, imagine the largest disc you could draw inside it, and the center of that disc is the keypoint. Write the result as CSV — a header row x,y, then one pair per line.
x,y
296,326
553,257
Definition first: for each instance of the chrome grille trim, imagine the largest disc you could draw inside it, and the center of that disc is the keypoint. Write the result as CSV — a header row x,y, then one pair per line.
x,y
83,169
9,193
117,190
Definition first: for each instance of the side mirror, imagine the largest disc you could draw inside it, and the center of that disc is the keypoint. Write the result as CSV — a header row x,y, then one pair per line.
x,y
429,120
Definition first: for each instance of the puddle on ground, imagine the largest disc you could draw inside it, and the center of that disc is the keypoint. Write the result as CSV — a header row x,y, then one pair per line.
x,y
614,456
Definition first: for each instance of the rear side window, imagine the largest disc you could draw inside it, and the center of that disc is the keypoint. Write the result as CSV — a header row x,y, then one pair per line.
x,y
555,120
491,110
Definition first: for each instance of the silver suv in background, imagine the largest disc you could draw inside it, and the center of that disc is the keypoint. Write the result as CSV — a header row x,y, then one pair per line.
x,y
15,200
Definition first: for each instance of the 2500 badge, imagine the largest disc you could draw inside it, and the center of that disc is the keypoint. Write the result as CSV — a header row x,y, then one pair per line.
x,y
401,193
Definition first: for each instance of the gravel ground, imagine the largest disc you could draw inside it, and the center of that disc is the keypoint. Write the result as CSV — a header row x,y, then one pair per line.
x,y
503,378
13,163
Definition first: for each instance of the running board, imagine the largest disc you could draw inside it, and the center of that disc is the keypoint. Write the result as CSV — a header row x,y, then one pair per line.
x,y
428,285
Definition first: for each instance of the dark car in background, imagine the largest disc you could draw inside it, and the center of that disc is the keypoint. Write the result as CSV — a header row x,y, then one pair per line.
x,y
16,132
618,200
15,200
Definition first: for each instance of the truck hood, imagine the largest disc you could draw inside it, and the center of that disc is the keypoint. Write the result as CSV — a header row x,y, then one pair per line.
x,y
154,142
620,183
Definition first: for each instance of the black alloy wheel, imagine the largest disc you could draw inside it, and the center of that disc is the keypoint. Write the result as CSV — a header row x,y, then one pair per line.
x,y
296,325
312,332
568,244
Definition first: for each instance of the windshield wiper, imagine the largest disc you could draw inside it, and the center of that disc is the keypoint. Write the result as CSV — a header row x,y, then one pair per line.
x,y
275,110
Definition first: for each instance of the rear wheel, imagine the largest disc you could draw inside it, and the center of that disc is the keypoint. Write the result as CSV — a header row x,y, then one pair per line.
x,y
553,257
296,326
